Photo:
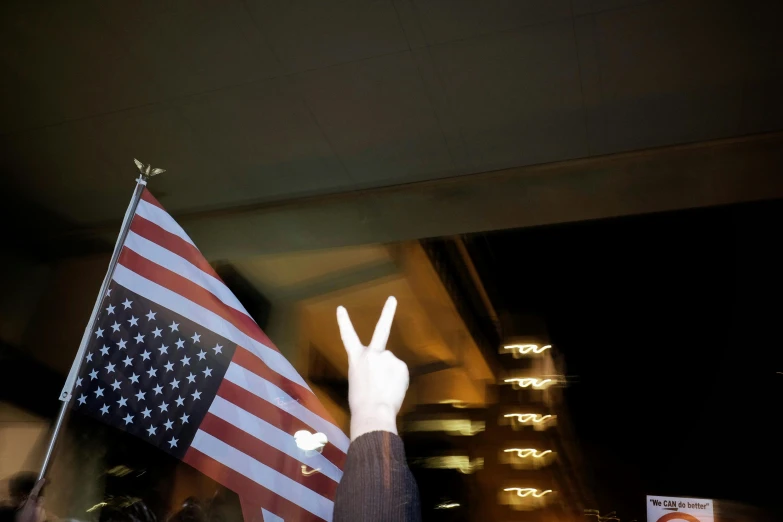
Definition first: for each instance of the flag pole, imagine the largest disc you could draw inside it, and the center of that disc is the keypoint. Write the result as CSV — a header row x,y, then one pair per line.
x,y
145,173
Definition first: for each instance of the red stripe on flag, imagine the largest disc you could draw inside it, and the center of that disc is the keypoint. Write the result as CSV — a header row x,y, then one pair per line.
x,y
147,196
251,362
274,415
246,488
171,242
267,455
193,292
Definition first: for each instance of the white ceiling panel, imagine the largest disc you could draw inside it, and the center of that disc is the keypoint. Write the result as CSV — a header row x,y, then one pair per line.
x,y
267,140
516,95
308,34
669,72
377,116
60,62
448,20
191,47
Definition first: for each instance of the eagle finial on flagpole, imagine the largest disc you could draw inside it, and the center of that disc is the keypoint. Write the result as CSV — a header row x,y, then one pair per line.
x,y
146,171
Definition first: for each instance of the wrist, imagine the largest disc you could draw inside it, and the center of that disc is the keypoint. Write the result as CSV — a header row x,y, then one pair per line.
x,y
379,419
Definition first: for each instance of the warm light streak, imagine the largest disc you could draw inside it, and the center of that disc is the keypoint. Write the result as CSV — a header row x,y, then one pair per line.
x,y
526,349
528,452
464,427
524,418
447,505
307,472
455,403
526,492
527,382
97,506
459,462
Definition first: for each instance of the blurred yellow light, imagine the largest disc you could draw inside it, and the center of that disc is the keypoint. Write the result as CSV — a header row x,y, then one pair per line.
x,y
524,418
526,382
459,462
528,452
307,472
526,492
526,349
465,427
455,403
447,505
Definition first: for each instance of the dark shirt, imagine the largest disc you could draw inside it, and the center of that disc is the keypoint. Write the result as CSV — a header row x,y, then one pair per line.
x,y
377,485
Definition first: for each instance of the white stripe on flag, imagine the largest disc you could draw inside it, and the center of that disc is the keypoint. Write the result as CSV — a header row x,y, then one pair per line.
x,y
263,475
264,389
270,517
206,318
272,435
161,218
179,265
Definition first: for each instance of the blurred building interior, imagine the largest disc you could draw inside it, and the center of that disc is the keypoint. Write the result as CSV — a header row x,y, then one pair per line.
x,y
335,153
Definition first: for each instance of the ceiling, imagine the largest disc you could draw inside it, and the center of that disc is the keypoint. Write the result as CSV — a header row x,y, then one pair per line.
x,y
254,101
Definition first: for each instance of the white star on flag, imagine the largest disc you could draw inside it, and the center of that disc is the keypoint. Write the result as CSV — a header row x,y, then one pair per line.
x,y
104,409
217,349
98,333
128,419
110,310
156,332
146,412
174,326
82,399
105,350
134,321
151,430
140,396
115,327
139,338
196,338
127,304
151,316
134,378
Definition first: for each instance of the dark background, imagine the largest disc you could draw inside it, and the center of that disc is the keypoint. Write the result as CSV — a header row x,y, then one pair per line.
x,y
669,324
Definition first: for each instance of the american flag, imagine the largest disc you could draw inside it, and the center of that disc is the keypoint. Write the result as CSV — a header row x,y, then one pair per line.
x,y
176,360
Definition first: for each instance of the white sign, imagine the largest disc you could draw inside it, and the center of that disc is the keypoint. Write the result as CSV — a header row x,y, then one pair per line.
x,y
677,509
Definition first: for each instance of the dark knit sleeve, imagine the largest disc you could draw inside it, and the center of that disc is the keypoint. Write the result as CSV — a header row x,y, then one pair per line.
x,y
377,485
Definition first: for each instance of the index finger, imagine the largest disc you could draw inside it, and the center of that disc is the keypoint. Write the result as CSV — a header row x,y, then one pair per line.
x,y
350,340
382,330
